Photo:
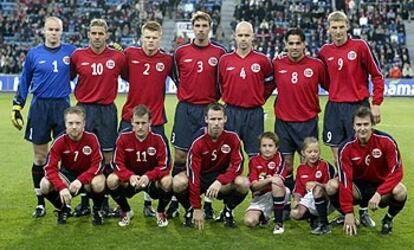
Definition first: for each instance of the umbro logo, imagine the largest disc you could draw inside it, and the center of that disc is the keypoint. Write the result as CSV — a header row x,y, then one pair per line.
x,y
134,61
356,158
331,58
129,150
282,71
188,60
42,62
230,68
85,63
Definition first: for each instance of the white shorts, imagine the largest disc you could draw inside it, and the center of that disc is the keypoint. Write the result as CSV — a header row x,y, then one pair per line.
x,y
309,202
264,203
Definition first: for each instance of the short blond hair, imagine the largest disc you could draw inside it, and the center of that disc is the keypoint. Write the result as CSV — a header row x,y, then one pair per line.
x,y
151,26
99,22
199,15
54,18
338,16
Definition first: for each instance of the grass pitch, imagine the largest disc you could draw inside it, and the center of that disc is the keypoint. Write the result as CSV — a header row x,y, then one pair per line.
x,y
19,231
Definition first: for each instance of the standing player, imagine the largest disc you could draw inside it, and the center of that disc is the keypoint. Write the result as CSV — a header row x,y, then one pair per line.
x,y
46,74
214,167
141,158
148,69
80,159
245,78
196,70
312,188
267,173
370,163
297,79
349,63
98,68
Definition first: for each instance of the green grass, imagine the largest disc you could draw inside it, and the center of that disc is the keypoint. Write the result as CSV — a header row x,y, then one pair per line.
x,y
19,231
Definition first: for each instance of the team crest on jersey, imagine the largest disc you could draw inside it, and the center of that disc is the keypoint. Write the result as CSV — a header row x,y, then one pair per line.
x,y
318,174
376,153
110,64
160,67
212,61
255,67
151,151
225,149
66,60
352,55
86,150
308,72
271,165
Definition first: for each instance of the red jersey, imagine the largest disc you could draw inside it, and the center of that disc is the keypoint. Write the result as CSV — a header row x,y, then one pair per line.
x,y
82,157
259,169
306,173
98,74
196,70
147,76
379,162
133,156
349,66
297,86
206,156
245,82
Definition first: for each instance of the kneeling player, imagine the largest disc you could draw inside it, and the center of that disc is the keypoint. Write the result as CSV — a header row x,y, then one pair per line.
x,y
140,165
267,173
80,157
312,182
214,167
371,163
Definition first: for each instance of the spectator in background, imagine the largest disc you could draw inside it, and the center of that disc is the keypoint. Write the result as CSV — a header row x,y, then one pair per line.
x,y
394,72
407,71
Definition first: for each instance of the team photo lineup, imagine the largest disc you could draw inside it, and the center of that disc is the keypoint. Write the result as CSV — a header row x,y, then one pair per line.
x,y
218,130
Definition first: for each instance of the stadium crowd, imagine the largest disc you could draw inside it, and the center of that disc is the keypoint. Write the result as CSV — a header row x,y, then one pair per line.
x,y
20,23
381,24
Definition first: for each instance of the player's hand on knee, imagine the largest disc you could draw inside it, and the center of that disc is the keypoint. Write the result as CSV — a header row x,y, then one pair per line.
x,y
213,190
133,180
374,201
16,117
75,186
65,196
143,181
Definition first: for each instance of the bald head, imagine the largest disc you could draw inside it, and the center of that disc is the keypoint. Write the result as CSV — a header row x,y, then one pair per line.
x,y
244,38
244,24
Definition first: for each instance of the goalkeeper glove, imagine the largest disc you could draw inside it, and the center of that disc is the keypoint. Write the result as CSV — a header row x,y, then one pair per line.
x,y
16,117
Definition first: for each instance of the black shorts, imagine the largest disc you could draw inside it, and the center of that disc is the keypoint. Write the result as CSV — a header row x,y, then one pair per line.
x,y
159,130
151,189
292,134
205,182
68,175
102,120
46,119
248,124
365,189
337,121
187,120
